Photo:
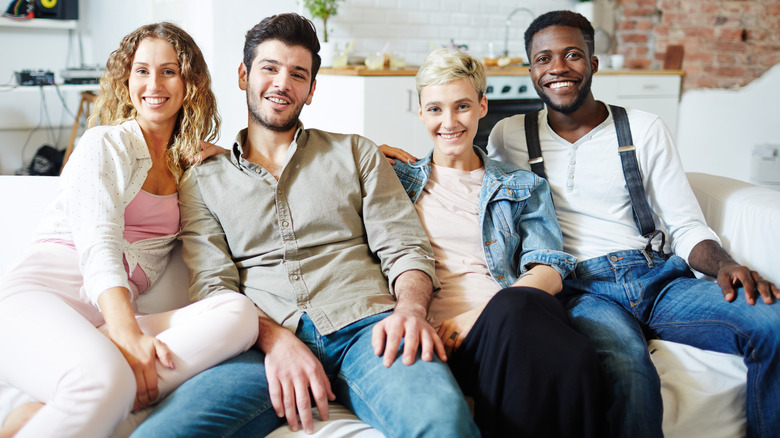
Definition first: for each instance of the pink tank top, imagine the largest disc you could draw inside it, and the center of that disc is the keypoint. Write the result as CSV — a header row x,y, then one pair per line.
x,y
149,216
146,216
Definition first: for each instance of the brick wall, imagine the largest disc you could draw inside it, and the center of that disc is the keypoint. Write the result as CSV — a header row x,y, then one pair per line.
x,y
727,43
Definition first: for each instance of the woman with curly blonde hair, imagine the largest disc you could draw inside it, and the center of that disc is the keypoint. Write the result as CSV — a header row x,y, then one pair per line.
x,y
79,346
198,119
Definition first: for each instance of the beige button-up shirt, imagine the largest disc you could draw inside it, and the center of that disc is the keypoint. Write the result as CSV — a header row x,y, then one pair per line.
x,y
328,238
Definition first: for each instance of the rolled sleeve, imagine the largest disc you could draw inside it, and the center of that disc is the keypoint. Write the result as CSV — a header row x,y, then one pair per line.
x,y
393,229
542,238
562,262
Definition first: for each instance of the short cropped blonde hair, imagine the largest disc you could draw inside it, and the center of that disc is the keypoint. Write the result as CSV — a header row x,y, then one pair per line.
x,y
443,66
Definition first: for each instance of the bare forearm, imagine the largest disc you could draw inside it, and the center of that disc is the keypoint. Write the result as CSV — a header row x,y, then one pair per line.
x,y
414,291
541,277
118,312
708,257
269,332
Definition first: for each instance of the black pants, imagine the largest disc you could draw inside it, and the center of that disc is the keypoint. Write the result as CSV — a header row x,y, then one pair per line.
x,y
529,372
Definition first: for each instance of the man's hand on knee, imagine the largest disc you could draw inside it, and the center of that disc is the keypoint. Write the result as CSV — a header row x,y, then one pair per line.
x,y
293,372
410,328
754,285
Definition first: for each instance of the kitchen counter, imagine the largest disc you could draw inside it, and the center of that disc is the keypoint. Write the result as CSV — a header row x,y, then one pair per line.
x,y
359,70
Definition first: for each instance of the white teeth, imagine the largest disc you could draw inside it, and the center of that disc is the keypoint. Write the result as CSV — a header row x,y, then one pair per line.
x,y
556,85
277,100
155,100
450,136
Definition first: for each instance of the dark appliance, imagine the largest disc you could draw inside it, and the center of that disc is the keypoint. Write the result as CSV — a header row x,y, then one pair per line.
x,y
57,9
507,96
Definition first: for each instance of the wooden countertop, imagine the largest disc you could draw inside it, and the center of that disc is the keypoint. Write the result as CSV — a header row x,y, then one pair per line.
x,y
359,70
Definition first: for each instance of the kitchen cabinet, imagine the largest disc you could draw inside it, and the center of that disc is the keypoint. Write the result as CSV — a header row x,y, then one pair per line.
x,y
381,108
652,92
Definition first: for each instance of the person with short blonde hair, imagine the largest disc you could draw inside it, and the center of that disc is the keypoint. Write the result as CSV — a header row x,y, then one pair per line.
x,y
443,66
499,258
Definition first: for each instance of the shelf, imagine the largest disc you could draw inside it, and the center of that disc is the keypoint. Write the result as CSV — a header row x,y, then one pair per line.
x,y
37,23
37,88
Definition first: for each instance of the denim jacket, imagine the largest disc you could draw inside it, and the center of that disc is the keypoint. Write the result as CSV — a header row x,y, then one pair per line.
x,y
516,213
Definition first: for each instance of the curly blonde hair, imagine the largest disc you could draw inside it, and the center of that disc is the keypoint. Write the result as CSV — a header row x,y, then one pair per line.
x,y
198,118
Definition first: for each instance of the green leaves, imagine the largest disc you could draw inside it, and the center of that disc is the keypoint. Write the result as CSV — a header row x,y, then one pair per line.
x,y
322,9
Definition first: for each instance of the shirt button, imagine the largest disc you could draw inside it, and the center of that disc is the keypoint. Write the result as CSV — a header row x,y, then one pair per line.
x,y
284,223
571,176
295,278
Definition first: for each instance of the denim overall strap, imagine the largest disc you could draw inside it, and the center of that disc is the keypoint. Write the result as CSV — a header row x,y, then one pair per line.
x,y
643,216
535,158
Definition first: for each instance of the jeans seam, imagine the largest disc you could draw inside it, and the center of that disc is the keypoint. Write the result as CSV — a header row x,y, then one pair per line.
x,y
247,418
356,389
757,399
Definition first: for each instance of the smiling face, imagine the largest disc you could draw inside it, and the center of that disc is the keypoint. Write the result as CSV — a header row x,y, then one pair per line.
x,y
562,68
451,114
155,84
277,85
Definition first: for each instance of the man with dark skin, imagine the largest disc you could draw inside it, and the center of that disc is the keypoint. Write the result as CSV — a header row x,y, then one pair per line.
x,y
622,290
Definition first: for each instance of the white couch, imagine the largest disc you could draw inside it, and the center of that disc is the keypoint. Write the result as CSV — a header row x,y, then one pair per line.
x,y
703,392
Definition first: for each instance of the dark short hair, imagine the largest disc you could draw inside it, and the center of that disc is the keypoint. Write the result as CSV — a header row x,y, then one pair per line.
x,y
291,29
560,18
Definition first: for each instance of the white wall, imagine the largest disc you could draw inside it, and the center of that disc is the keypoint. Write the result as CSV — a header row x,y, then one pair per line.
x,y
719,129
410,26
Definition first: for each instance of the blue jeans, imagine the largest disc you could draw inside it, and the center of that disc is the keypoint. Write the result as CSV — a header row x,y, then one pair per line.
x,y
232,398
624,297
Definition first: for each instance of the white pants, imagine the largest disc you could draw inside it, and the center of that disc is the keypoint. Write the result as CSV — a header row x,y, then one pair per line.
x,y
50,347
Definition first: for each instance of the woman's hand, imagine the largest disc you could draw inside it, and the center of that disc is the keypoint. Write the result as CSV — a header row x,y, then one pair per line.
x,y
206,150
454,330
141,351
399,154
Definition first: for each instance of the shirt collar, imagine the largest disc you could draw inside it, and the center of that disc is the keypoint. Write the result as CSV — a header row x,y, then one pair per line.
x,y
238,144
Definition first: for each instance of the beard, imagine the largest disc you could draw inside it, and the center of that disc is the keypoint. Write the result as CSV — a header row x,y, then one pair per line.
x,y
567,109
277,124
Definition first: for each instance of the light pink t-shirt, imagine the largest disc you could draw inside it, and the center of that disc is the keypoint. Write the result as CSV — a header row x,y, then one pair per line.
x,y
448,208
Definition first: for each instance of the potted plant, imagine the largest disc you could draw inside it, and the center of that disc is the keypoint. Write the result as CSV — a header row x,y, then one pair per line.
x,y
324,10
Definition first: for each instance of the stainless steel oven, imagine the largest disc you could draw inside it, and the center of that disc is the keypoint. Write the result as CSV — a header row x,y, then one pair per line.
x,y
507,96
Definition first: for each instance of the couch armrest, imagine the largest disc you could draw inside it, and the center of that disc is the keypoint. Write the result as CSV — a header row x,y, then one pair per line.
x,y
746,218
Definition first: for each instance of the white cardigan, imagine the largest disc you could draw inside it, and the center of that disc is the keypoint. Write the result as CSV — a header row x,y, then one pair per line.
x,y
105,173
